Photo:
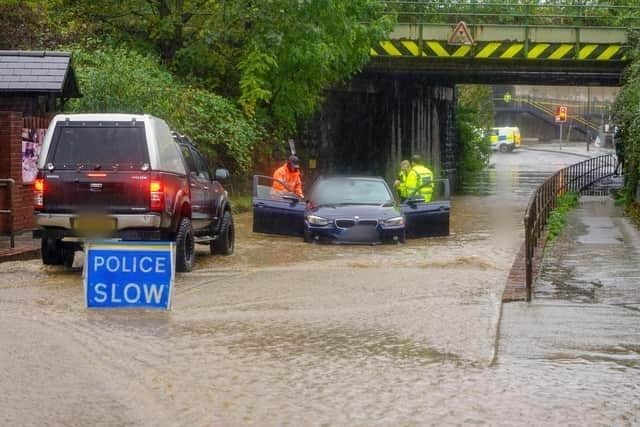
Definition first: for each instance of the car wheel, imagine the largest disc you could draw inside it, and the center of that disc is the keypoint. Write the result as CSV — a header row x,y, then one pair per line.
x,y
185,246
504,148
306,236
402,238
225,243
51,251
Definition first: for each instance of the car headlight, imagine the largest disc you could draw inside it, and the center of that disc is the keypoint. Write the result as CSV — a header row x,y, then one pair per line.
x,y
317,220
394,222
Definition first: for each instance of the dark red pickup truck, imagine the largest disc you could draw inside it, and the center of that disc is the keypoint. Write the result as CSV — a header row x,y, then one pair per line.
x,y
128,177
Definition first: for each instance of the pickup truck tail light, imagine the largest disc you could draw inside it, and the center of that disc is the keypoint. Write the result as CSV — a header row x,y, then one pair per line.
x,y
38,193
156,196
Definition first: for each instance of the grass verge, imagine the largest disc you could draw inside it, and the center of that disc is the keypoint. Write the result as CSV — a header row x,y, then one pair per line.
x,y
558,218
633,211
631,208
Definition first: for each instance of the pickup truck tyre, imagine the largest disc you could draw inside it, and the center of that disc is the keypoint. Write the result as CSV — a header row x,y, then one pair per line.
x,y
185,246
51,251
225,243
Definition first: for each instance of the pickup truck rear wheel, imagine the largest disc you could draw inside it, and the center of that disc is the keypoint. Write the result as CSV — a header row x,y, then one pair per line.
x,y
51,251
185,246
225,243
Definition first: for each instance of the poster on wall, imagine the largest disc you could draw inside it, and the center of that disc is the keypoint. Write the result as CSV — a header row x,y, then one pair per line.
x,y
31,146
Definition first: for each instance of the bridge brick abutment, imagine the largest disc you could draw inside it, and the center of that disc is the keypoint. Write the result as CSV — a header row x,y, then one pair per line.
x,y
373,122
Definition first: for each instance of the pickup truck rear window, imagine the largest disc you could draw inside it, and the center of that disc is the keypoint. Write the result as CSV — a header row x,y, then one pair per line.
x,y
95,147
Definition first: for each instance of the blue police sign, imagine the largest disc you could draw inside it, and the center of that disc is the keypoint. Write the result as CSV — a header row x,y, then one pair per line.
x,y
129,274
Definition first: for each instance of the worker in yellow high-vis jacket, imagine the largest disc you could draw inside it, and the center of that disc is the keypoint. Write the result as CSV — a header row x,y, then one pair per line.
x,y
419,182
400,184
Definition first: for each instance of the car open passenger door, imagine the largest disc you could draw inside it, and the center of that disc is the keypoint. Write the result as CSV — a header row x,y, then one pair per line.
x,y
276,212
427,219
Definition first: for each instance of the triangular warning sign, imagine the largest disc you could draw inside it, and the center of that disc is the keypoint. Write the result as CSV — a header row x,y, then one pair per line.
x,y
461,35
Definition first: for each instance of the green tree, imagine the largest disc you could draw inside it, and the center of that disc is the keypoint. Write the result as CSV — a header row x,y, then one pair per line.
x,y
16,25
474,118
297,49
627,112
123,80
29,25
275,57
165,25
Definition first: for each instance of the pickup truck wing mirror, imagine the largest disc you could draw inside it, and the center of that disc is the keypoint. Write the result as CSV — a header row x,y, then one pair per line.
x,y
222,175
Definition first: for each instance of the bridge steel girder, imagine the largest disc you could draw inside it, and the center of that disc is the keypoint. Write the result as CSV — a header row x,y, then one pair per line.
x,y
488,71
506,54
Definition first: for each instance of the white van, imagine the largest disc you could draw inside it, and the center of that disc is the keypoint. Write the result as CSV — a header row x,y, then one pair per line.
x,y
505,139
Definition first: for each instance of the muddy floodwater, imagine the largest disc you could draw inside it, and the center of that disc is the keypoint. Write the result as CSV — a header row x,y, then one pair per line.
x,y
288,333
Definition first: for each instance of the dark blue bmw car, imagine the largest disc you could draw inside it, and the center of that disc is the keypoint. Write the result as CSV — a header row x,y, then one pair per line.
x,y
347,209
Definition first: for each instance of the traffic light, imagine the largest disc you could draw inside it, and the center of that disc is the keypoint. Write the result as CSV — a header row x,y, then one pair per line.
x,y
562,114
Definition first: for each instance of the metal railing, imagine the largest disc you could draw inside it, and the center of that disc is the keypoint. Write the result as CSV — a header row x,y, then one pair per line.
x,y
549,105
8,183
576,178
516,12
545,110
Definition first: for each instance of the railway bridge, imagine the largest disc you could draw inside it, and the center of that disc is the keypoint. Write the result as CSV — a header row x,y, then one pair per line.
x,y
403,102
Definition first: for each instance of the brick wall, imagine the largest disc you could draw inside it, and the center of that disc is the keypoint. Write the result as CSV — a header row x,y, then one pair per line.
x,y
32,105
17,103
11,124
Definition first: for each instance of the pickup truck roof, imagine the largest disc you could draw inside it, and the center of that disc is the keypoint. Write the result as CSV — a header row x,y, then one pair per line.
x,y
163,151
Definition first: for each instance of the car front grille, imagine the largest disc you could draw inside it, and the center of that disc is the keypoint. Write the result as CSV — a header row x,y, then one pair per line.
x,y
345,223
348,223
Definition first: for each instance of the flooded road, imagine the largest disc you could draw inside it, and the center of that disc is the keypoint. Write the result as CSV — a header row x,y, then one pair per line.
x,y
289,333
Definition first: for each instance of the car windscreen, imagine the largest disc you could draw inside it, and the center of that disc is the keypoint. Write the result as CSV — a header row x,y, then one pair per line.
x,y
342,191
101,146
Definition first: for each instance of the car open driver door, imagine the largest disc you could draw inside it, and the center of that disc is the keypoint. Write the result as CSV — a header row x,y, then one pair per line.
x,y
276,212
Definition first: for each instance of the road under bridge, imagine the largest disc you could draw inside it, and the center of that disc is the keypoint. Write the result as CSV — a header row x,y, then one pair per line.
x,y
403,102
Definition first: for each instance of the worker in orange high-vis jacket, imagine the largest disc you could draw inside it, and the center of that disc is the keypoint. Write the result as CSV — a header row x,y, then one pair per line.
x,y
289,174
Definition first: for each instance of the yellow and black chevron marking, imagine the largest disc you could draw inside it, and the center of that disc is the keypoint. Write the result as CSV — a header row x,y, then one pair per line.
x,y
501,50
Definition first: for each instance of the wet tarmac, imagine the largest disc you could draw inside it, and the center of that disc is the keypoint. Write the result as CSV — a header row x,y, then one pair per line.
x,y
288,333
580,336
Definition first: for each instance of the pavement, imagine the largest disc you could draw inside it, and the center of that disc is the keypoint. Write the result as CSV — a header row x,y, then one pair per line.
x,y
576,342
26,247
586,297
574,148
